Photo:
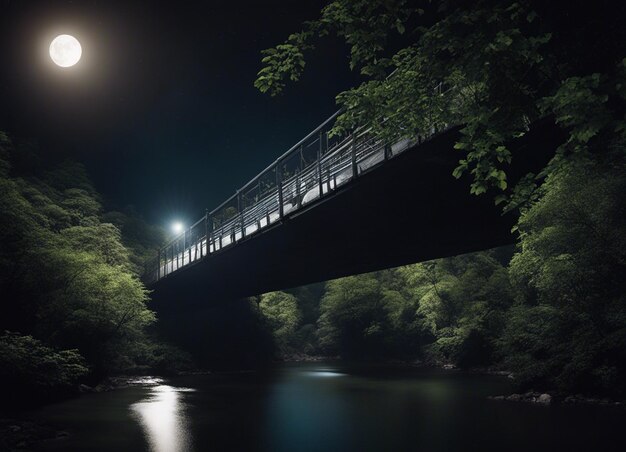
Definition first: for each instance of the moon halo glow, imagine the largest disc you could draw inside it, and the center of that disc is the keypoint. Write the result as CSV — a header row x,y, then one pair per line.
x,y
65,50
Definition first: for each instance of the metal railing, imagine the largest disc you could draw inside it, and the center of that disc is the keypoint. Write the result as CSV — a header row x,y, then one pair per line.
x,y
320,164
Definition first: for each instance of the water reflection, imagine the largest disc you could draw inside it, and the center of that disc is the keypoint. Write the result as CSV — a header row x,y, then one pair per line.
x,y
163,419
323,373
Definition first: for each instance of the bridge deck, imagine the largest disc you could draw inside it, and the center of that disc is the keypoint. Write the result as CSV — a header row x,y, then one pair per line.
x,y
405,207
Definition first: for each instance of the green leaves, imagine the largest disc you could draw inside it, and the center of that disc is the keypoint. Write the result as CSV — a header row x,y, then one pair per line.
x,y
501,66
571,315
67,271
280,311
580,105
26,364
459,170
365,25
283,62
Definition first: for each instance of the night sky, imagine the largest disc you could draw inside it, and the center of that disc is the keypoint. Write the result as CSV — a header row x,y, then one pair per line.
x,y
161,108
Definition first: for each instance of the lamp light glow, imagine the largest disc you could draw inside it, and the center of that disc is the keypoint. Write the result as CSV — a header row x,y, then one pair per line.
x,y
177,227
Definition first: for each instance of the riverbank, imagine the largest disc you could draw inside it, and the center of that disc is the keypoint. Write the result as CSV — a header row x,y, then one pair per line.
x,y
544,398
18,434
22,432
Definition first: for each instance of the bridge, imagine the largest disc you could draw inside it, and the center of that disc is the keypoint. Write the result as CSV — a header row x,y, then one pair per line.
x,y
337,205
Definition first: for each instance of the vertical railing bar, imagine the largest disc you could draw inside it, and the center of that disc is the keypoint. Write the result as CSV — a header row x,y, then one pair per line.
x,y
206,234
297,189
159,264
279,183
355,169
320,151
188,247
241,208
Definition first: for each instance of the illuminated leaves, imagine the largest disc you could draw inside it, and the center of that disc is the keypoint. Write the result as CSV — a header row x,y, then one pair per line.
x,y
493,69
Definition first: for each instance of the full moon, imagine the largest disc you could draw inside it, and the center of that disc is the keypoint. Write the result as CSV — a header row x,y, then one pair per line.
x,y
65,50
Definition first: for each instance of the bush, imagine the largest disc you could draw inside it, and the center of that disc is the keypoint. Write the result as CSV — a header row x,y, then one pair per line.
x,y
28,368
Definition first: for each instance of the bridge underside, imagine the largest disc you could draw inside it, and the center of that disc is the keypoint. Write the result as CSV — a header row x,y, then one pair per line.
x,y
409,209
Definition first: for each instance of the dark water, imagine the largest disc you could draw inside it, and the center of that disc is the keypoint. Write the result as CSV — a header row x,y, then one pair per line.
x,y
328,407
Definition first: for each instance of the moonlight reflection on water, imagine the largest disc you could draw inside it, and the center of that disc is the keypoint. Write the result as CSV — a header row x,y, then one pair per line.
x,y
163,419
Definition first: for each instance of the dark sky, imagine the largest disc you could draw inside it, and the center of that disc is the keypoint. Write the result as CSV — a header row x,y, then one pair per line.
x,y
161,108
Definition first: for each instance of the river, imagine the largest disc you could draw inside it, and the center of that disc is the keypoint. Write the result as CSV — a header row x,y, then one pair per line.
x,y
327,407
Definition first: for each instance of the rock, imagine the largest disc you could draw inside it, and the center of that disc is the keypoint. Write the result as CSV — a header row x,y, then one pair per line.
x,y
514,398
84,388
15,428
449,366
544,399
102,388
498,397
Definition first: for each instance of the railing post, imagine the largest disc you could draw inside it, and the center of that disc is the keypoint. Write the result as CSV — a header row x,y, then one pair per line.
x,y
189,246
206,233
355,169
328,188
240,209
158,264
184,246
297,189
210,234
171,268
387,151
319,163
279,185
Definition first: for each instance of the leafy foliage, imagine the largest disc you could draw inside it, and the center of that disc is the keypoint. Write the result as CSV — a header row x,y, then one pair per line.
x,y
282,315
492,67
569,330
67,278
448,310
28,365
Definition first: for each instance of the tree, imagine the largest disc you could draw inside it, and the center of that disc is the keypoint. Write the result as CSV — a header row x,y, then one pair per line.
x,y
461,303
569,329
66,277
281,312
30,369
352,317
139,237
500,66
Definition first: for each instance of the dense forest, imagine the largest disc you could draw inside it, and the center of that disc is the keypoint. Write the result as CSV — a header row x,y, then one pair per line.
x,y
551,309
555,312
72,302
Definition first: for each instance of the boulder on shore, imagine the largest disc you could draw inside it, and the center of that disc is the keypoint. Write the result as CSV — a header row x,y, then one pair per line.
x,y
529,397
